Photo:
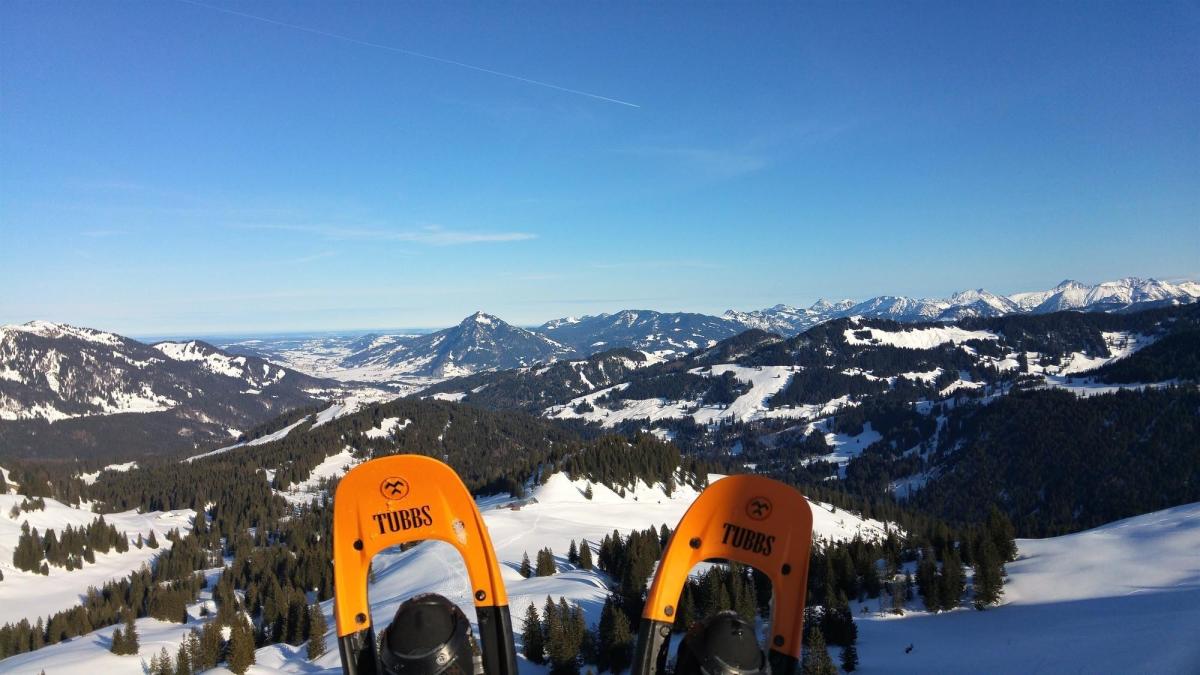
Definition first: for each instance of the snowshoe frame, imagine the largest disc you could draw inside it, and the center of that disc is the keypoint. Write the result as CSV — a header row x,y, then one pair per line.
x,y
748,519
402,499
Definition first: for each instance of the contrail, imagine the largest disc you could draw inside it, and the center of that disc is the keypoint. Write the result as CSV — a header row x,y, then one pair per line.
x,y
409,52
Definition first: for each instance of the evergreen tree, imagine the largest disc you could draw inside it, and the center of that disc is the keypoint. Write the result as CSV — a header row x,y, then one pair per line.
x,y
585,556
241,646
816,659
573,553
210,646
950,582
545,563
988,584
316,632
164,665
1002,534
618,643
587,493
152,541
531,633
118,642
849,658
183,660
526,568
131,635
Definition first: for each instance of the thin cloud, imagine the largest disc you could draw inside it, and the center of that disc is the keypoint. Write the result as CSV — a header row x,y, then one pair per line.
x,y
432,235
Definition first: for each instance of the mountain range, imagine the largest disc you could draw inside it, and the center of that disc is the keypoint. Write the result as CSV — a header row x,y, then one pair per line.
x,y
483,342
64,388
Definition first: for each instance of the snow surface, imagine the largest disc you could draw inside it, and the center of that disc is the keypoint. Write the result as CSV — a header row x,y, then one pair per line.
x,y
1122,598
919,338
27,595
258,441
213,362
764,381
309,488
387,427
90,478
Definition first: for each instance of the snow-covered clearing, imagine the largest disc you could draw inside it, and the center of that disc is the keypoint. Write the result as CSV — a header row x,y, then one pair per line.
x,y
28,595
764,381
843,447
917,338
333,465
90,478
387,427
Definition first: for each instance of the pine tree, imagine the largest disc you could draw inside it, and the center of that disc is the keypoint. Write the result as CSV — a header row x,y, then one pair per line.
x,y
241,646
183,660
531,633
573,553
316,632
950,582
526,568
849,658
927,577
118,642
131,635
619,643
816,659
1000,530
545,563
164,667
152,541
988,584
587,493
210,646
585,556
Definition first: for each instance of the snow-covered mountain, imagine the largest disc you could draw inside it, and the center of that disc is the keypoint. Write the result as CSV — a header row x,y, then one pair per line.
x,y
641,329
88,384
1107,296
480,342
1122,294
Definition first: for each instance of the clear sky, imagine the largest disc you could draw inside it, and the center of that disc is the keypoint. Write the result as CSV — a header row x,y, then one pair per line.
x,y
174,167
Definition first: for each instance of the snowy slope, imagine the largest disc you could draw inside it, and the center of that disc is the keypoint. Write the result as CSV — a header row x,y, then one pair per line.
x,y
27,595
1122,598
764,381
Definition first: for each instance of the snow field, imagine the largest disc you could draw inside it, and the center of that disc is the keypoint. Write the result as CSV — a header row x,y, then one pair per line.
x,y
28,595
764,381
918,338
1121,598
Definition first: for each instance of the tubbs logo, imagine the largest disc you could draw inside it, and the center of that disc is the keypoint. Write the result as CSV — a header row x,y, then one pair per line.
x,y
758,508
747,539
394,488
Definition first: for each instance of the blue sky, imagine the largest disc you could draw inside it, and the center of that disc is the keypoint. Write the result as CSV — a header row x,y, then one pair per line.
x,y
168,167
